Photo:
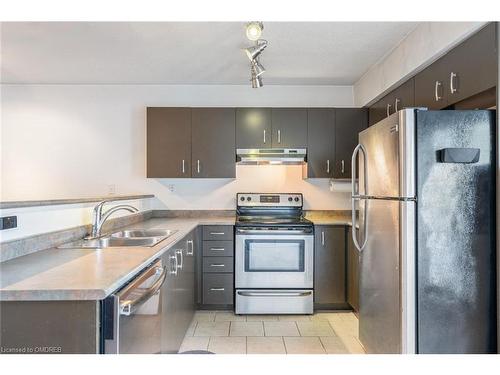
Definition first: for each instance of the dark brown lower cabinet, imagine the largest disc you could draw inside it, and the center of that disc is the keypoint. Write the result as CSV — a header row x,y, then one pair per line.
x,y
330,266
352,272
49,327
216,267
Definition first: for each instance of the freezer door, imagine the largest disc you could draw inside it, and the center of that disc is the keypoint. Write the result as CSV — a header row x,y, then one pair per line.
x,y
389,154
386,292
456,234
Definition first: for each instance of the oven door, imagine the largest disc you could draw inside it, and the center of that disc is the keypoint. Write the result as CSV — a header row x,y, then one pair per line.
x,y
274,258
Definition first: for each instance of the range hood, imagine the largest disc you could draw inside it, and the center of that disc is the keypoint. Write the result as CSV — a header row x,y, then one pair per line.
x,y
271,156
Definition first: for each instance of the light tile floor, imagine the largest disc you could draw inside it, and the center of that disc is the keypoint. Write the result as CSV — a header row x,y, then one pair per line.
x,y
223,332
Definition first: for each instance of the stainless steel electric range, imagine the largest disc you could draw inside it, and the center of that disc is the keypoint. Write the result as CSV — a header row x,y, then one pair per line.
x,y
274,255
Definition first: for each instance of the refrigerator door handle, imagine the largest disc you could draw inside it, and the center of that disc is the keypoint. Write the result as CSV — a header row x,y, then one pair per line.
x,y
355,196
354,191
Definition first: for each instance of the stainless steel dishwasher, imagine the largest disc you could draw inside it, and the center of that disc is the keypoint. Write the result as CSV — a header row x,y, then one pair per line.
x,y
132,317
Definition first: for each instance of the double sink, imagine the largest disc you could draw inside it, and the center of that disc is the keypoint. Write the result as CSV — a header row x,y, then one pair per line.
x,y
123,238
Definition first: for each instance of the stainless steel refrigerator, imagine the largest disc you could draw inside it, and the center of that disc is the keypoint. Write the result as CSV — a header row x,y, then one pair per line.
x,y
426,232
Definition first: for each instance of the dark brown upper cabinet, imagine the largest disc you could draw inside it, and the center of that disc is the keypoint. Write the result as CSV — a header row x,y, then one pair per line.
x,y
401,97
213,143
320,142
472,66
168,138
253,128
432,87
349,122
465,71
289,127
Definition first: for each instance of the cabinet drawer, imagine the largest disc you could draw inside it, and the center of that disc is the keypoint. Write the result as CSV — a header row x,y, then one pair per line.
x,y
218,233
218,248
218,289
218,264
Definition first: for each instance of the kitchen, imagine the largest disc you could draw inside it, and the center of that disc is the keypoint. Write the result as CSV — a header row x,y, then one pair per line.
x,y
158,199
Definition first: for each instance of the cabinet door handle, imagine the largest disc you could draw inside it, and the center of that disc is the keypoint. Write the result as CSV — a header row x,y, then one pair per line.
x,y
388,110
396,102
342,164
279,136
453,89
181,264
217,249
190,243
198,166
436,91
217,289
323,238
176,264
217,265
264,135
217,233
328,166
183,166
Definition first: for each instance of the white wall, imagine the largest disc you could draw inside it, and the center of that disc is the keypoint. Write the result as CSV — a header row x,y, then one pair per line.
x,y
424,45
62,141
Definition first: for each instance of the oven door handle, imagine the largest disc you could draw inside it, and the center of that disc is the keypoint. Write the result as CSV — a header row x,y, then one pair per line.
x,y
263,231
274,294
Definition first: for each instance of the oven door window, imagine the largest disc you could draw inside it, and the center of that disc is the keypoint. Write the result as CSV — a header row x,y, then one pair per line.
x,y
274,255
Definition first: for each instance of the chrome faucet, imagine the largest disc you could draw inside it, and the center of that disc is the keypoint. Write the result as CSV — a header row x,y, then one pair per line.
x,y
99,218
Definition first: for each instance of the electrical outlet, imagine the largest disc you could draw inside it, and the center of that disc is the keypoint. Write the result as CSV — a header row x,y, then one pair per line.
x,y
171,188
8,222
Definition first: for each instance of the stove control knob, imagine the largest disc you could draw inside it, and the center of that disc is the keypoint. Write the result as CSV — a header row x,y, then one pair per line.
x,y
249,199
296,199
290,199
242,199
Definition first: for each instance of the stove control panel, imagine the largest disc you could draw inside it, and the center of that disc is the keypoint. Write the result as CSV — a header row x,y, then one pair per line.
x,y
269,200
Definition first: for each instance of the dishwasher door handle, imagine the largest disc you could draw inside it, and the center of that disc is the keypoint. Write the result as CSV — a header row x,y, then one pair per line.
x,y
127,307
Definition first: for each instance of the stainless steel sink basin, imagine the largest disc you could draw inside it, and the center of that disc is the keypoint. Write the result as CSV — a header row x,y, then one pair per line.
x,y
124,238
141,233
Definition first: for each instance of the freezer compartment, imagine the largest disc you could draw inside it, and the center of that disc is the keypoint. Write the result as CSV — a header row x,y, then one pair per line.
x,y
277,301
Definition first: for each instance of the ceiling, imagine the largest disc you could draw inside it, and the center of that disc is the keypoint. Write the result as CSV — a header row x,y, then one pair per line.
x,y
299,53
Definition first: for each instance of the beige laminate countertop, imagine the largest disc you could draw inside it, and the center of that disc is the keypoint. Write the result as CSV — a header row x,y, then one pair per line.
x,y
329,218
93,274
88,274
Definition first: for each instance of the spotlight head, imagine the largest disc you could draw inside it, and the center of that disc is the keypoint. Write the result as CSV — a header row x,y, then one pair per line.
x,y
254,51
254,30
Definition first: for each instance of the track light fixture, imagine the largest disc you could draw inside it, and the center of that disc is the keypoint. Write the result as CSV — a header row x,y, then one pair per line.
x,y
253,32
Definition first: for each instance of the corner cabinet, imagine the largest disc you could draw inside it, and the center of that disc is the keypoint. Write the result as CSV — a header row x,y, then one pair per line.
x,y
330,266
